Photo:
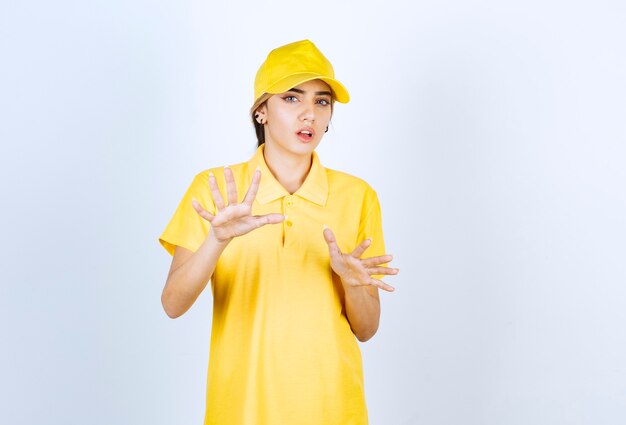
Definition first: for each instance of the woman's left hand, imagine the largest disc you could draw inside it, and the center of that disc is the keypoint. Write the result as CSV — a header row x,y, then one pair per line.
x,y
355,271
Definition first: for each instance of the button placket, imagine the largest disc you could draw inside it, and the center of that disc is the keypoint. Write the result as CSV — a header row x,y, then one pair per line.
x,y
289,205
290,201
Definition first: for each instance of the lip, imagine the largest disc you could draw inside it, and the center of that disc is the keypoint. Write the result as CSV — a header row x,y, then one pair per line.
x,y
309,129
304,137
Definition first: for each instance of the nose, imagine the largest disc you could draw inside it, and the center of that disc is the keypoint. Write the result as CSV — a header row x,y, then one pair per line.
x,y
308,112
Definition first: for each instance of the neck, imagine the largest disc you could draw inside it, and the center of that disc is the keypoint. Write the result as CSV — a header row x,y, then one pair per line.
x,y
290,170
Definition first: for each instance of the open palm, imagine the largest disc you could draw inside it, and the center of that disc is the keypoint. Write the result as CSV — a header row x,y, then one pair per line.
x,y
354,270
234,219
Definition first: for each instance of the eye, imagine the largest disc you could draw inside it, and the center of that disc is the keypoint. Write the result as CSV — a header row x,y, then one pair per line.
x,y
290,98
324,102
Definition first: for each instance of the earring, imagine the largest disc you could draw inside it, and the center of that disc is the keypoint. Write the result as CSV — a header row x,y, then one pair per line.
x,y
326,131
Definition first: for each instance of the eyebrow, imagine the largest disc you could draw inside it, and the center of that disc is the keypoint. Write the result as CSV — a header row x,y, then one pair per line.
x,y
317,92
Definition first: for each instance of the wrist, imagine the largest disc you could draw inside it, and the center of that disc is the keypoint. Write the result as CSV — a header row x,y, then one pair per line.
x,y
355,294
351,285
214,240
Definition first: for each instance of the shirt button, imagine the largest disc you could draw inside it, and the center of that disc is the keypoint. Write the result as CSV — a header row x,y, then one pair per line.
x,y
288,223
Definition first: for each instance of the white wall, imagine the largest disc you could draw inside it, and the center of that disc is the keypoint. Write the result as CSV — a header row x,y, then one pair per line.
x,y
494,134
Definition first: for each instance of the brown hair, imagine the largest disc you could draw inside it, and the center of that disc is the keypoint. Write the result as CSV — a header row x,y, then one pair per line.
x,y
260,128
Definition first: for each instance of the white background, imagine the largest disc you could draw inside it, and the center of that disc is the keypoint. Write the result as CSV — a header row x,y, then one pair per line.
x,y
494,133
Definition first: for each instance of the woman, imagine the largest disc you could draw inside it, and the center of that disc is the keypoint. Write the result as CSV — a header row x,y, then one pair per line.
x,y
289,293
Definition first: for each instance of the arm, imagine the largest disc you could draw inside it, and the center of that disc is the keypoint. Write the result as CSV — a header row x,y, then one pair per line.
x,y
363,310
190,272
360,288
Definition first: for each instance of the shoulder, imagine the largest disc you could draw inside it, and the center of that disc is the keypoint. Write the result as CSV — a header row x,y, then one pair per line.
x,y
239,169
344,182
352,191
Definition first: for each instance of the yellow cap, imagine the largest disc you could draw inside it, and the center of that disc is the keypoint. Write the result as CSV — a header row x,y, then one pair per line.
x,y
293,64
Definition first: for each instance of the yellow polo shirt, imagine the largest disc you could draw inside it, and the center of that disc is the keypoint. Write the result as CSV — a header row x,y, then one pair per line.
x,y
282,351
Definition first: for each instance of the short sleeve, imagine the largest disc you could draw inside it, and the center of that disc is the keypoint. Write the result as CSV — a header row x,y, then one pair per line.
x,y
186,228
371,226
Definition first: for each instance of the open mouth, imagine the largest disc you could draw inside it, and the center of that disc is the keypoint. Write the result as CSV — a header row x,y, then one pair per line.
x,y
305,135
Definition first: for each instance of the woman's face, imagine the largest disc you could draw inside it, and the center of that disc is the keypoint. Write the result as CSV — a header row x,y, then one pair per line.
x,y
297,119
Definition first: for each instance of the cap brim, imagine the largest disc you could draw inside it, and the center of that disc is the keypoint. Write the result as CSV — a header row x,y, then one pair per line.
x,y
340,92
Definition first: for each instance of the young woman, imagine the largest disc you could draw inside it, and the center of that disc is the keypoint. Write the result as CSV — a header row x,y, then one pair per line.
x,y
292,284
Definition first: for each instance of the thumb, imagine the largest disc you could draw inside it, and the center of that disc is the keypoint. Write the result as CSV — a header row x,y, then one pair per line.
x,y
201,211
329,237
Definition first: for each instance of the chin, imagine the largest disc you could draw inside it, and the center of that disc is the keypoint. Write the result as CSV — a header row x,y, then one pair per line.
x,y
300,148
306,148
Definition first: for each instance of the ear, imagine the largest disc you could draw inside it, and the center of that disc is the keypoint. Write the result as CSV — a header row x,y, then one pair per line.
x,y
260,115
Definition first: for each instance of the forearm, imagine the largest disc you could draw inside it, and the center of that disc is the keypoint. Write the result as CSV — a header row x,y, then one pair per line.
x,y
362,310
186,283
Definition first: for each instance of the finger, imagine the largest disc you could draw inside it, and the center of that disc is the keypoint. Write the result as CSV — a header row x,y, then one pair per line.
x,y
375,261
215,191
262,220
231,186
382,285
232,213
359,250
330,240
254,187
203,213
382,270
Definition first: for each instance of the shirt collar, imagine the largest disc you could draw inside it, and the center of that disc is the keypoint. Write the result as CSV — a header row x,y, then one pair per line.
x,y
314,188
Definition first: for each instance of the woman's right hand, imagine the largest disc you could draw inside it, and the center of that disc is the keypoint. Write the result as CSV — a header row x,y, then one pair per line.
x,y
234,219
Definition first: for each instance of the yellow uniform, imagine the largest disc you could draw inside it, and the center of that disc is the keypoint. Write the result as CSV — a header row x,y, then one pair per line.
x,y
282,351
